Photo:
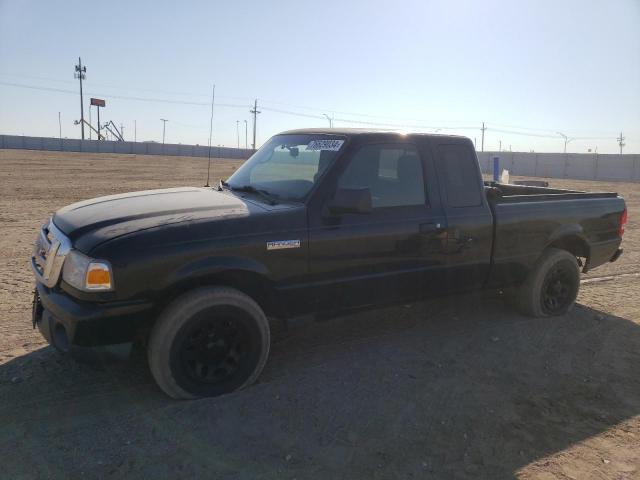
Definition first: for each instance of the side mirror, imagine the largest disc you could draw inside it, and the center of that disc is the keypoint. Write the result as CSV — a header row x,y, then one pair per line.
x,y
351,200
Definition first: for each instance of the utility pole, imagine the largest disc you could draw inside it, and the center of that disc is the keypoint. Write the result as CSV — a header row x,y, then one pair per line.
x,y
135,131
238,132
80,74
483,129
60,126
255,112
164,124
500,148
98,108
122,131
246,143
621,140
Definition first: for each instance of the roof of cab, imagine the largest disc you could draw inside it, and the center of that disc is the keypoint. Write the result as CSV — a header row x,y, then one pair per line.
x,y
361,131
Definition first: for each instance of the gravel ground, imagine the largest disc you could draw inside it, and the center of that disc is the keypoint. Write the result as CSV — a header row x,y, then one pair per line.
x,y
459,387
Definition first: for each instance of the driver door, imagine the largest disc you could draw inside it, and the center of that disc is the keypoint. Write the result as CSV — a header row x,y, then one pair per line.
x,y
387,255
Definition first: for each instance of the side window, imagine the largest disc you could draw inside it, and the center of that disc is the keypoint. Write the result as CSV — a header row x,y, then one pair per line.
x,y
458,169
393,173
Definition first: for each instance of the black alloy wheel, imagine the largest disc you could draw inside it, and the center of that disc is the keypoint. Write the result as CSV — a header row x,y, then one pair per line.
x,y
558,289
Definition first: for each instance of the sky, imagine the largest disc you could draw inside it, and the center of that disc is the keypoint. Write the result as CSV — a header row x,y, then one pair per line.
x,y
528,69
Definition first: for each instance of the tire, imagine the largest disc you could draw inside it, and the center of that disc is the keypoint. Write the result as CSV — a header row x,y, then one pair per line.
x,y
208,342
551,287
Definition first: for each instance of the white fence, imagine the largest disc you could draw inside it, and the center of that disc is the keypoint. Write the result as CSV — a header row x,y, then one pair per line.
x,y
579,166
103,146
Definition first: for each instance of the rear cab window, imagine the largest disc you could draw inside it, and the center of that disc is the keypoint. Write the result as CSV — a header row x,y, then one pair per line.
x,y
458,170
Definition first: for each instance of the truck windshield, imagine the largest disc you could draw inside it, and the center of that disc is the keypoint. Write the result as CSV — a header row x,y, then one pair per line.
x,y
287,166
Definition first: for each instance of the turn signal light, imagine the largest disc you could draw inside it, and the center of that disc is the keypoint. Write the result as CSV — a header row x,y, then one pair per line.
x,y
98,276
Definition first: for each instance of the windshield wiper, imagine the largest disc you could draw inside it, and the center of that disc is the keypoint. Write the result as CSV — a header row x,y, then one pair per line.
x,y
260,191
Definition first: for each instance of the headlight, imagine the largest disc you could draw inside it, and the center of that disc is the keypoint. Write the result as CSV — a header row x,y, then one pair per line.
x,y
87,274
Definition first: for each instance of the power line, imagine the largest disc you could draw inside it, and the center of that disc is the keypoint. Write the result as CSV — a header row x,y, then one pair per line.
x,y
526,134
123,87
288,112
124,97
318,116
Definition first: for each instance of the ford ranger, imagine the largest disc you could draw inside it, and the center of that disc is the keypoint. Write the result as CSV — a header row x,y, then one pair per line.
x,y
317,221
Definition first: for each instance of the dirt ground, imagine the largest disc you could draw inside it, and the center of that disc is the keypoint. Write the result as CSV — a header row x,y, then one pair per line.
x,y
459,387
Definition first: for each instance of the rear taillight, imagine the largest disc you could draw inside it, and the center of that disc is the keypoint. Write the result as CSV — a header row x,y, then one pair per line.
x,y
623,222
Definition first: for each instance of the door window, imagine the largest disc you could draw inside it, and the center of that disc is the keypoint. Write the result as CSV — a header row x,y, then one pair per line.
x,y
393,173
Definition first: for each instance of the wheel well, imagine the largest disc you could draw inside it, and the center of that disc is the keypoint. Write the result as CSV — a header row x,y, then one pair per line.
x,y
572,244
254,285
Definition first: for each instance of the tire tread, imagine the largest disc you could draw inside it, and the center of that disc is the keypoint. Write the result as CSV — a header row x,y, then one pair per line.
x,y
177,313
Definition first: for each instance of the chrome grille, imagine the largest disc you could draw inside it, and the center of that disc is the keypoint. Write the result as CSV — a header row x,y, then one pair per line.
x,y
48,255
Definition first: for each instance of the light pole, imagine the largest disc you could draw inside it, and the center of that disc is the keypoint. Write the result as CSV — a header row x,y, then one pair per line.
x,y
60,126
238,132
328,118
246,129
164,124
566,140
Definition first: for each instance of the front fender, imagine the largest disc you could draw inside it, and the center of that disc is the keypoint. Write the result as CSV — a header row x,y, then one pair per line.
x,y
215,265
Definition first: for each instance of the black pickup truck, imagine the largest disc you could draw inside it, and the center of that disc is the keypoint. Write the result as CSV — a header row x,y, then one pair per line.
x,y
315,222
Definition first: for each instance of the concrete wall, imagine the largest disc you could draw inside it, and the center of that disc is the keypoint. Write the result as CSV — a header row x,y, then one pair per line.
x,y
140,148
579,166
553,165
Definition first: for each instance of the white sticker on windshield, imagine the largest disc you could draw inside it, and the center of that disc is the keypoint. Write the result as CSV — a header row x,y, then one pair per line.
x,y
331,145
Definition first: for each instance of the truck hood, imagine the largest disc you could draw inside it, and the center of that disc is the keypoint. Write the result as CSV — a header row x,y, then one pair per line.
x,y
116,215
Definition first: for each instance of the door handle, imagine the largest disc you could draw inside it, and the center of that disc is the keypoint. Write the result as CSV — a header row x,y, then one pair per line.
x,y
431,227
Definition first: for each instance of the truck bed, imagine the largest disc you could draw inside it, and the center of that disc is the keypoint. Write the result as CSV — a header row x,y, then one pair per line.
x,y
528,219
507,193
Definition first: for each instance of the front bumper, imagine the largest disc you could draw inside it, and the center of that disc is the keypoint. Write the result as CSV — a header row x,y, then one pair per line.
x,y
65,321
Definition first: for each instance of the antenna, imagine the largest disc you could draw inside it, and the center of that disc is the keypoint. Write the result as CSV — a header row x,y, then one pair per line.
x,y
213,96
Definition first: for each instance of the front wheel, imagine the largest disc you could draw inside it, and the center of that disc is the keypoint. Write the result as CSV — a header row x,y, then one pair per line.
x,y
551,288
208,342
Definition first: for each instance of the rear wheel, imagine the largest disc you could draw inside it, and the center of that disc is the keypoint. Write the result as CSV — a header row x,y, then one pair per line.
x,y
552,285
208,342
